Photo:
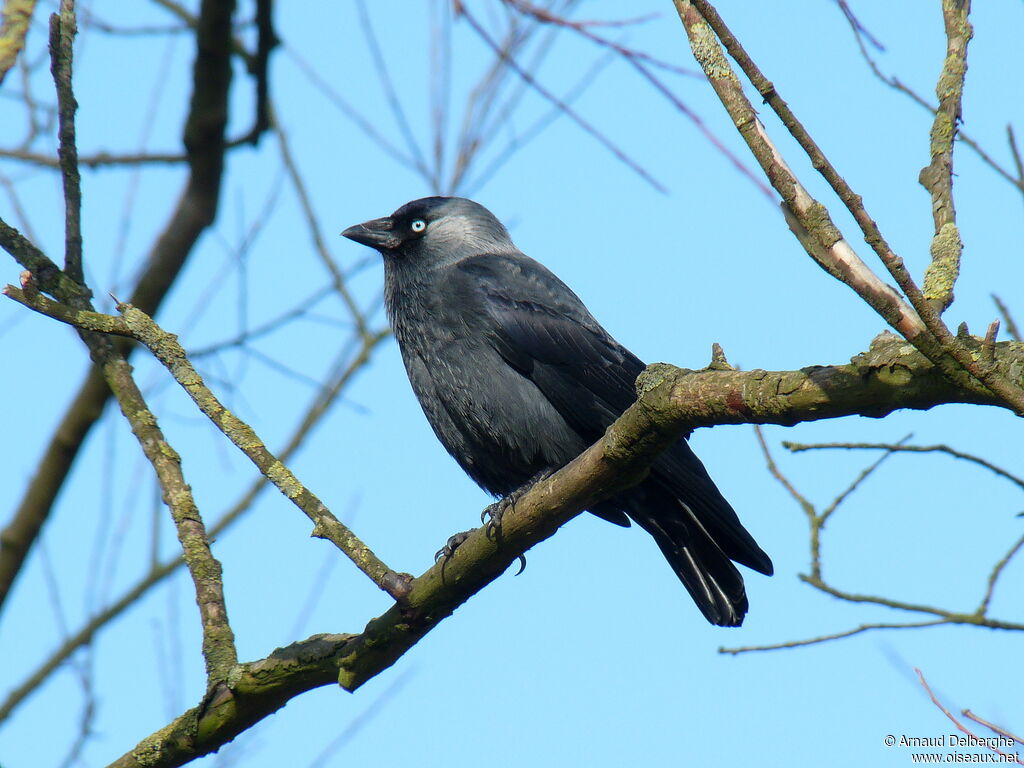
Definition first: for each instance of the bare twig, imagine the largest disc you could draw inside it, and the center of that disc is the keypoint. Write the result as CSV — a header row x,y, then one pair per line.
x,y
991,726
736,650
816,523
924,329
63,29
313,226
1011,325
165,347
897,447
394,103
960,726
350,112
586,126
896,84
642,63
997,571
937,177
347,366
1018,163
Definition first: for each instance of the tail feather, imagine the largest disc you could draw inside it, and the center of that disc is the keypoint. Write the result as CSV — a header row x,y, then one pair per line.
x,y
681,475
708,574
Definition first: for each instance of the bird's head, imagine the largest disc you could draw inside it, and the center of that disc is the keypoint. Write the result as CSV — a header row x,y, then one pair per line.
x,y
440,229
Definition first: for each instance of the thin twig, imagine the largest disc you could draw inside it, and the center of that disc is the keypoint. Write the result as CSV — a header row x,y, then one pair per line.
x,y
1011,325
569,111
390,96
816,524
642,63
898,447
991,726
826,638
63,29
313,226
896,84
997,571
960,726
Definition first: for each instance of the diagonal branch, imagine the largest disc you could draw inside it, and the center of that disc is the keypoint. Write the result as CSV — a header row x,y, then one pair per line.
x,y
922,326
348,365
195,211
218,640
257,689
165,347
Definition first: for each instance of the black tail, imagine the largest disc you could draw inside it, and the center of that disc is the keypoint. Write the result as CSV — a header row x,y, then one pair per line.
x,y
707,573
698,532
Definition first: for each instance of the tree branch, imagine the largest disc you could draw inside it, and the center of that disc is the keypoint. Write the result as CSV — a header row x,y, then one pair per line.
x,y
618,460
346,369
136,324
63,28
196,208
937,176
17,15
924,329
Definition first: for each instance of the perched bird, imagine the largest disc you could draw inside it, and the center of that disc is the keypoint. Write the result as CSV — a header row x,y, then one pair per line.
x,y
517,379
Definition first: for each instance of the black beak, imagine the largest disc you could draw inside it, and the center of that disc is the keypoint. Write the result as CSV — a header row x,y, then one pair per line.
x,y
377,233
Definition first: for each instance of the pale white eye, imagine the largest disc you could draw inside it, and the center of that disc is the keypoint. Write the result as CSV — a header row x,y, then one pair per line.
x,y
418,225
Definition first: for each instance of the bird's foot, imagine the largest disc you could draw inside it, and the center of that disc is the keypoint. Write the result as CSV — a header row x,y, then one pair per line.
x,y
445,553
492,515
491,518
451,545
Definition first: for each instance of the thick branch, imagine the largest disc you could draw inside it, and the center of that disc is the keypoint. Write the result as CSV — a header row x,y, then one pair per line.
x,y
892,374
889,376
619,459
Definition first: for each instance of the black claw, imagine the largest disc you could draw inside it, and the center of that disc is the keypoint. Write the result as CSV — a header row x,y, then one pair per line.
x,y
451,545
522,565
449,548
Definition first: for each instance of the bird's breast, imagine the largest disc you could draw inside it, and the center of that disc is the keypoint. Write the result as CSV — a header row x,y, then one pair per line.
x,y
489,416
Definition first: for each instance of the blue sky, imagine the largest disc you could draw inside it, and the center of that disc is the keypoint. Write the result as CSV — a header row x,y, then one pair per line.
x,y
595,654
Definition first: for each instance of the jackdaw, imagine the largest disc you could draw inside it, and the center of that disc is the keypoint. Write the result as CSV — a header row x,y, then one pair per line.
x,y
517,379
